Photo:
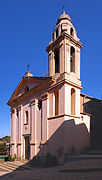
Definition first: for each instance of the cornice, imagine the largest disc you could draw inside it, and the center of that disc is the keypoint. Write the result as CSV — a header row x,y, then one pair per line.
x,y
83,113
63,81
63,115
32,102
44,96
61,37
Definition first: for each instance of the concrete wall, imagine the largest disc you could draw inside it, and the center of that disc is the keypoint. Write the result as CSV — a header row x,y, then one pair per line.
x,y
94,107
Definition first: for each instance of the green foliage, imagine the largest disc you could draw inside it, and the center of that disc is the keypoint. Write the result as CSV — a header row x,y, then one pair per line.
x,y
11,158
60,151
3,149
44,161
6,139
50,160
15,156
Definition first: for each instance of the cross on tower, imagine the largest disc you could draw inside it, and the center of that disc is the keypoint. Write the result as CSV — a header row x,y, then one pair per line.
x,y
63,7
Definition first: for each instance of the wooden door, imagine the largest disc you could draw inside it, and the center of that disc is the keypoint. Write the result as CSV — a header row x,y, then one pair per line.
x,y
27,147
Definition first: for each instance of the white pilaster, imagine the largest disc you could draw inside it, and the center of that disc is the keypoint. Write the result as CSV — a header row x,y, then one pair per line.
x,y
68,58
61,58
44,118
13,132
32,129
77,63
20,132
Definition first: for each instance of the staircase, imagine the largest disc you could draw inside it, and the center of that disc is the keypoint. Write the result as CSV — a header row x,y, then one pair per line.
x,y
12,166
94,152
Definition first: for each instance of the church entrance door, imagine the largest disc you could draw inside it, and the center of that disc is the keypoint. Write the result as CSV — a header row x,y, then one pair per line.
x,y
27,147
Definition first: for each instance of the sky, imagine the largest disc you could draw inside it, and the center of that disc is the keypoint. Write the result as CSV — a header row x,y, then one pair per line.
x,y
26,28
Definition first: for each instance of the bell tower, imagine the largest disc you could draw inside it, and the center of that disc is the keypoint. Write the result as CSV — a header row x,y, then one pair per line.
x,y
64,64
64,49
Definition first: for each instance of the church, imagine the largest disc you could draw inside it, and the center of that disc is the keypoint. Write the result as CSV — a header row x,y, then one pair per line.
x,y
50,114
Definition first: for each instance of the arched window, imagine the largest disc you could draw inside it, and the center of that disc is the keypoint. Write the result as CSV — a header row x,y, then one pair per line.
x,y
26,117
53,36
73,101
72,59
71,31
56,101
56,33
56,56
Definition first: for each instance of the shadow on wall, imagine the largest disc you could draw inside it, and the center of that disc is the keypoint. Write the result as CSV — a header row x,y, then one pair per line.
x,y
94,107
68,138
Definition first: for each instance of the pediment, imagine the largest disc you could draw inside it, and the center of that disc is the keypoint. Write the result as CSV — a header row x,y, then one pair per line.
x,y
26,85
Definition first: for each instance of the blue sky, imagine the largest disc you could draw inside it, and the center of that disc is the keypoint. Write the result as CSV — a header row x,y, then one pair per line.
x,y
25,30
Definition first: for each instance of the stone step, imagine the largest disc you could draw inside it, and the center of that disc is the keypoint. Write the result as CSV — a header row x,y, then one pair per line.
x,y
16,165
10,166
93,152
25,161
83,166
4,170
69,158
3,167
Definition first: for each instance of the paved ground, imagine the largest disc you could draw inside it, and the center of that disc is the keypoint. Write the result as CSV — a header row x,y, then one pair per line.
x,y
76,170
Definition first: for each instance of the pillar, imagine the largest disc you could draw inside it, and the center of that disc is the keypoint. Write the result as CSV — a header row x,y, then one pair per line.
x,y
32,129
67,58
77,63
51,63
20,134
61,58
13,132
44,118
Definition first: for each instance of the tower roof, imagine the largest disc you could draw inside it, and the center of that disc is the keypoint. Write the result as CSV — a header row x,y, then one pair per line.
x,y
63,17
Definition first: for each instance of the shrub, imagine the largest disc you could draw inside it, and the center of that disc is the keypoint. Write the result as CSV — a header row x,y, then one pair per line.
x,y
50,160
36,161
3,149
11,158
44,161
73,151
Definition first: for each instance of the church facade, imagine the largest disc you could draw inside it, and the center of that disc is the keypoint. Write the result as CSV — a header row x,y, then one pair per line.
x,y
46,112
